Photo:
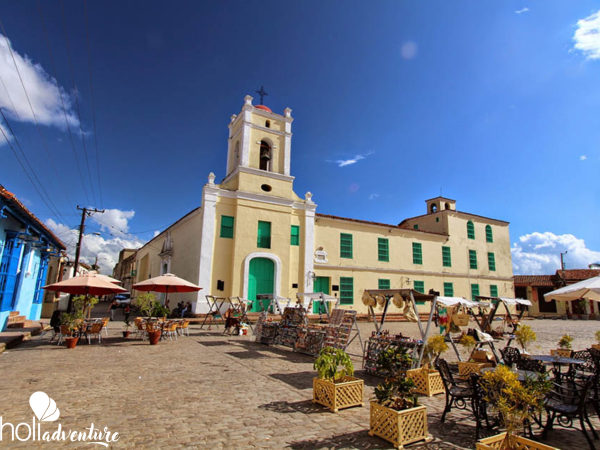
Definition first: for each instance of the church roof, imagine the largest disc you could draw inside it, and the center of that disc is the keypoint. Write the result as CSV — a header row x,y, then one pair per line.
x,y
368,222
264,108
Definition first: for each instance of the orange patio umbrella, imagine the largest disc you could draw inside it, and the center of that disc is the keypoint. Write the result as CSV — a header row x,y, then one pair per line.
x,y
89,284
166,283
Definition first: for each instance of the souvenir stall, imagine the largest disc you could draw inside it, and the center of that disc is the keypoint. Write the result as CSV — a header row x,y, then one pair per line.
x,y
380,340
511,321
325,302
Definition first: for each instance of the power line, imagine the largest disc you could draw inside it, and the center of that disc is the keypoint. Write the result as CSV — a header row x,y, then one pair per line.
x,y
89,48
76,95
62,101
33,113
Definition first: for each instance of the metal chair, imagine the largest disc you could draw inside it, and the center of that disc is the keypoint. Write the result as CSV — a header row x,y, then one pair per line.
x,y
566,404
458,390
510,355
531,365
94,329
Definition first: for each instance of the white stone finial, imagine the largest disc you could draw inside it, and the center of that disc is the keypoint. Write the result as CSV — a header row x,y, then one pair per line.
x,y
287,112
211,178
308,197
248,100
233,117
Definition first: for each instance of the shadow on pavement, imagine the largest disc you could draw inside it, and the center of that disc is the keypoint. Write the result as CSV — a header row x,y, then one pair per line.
x,y
304,407
299,380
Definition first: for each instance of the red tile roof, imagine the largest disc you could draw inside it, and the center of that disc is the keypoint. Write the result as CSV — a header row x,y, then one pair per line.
x,y
578,274
533,280
368,222
12,199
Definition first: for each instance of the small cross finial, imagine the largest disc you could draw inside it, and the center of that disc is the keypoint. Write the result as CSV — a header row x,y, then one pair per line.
x,y
262,93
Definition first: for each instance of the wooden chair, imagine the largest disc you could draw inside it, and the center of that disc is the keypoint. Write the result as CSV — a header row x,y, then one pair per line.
x,y
170,330
105,321
184,328
94,329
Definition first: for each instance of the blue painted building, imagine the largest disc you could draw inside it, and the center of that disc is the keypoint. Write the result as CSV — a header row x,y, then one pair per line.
x,y
26,247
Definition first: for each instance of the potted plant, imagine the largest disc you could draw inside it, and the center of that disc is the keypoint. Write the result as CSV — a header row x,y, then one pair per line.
x,y
428,381
525,336
336,387
126,327
469,366
74,320
565,345
151,307
516,402
395,414
597,346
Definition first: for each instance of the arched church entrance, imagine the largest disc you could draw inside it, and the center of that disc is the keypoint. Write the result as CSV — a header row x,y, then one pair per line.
x,y
261,280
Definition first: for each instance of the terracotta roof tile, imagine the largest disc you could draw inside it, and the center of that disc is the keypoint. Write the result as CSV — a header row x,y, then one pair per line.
x,y
578,274
533,280
12,198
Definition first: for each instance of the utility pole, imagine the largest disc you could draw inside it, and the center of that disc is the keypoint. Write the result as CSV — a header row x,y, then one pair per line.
x,y
85,212
562,261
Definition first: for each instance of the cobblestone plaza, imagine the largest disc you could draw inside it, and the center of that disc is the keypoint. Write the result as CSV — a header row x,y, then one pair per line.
x,y
210,391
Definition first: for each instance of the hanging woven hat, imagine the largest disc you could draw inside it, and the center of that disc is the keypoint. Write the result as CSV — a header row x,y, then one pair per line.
x,y
409,313
398,301
368,299
381,300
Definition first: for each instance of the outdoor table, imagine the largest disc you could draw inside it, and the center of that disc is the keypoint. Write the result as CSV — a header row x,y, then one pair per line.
x,y
521,374
549,359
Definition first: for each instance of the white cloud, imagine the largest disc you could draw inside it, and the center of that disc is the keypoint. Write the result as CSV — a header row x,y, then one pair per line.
x,y
106,248
587,36
408,50
348,162
114,220
373,196
43,91
539,253
521,11
582,158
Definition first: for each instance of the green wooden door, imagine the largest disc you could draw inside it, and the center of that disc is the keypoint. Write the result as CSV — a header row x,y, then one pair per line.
x,y
260,280
321,284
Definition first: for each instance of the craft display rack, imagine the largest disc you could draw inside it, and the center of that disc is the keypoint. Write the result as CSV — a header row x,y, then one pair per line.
x,y
378,344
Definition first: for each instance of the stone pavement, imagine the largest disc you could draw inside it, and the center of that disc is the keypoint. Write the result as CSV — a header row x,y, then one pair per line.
x,y
210,391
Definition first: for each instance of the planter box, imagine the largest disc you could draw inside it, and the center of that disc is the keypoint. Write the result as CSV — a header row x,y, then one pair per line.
x,y
505,442
427,382
398,427
337,396
561,352
467,368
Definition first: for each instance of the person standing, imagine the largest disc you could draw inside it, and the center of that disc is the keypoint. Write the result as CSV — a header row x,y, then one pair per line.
x,y
112,308
127,311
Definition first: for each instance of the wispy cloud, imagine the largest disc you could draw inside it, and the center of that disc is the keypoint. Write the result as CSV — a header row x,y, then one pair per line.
x,y
539,253
373,196
587,36
582,158
521,11
408,50
43,91
348,162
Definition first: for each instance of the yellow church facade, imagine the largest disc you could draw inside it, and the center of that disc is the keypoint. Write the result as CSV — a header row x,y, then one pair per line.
x,y
253,235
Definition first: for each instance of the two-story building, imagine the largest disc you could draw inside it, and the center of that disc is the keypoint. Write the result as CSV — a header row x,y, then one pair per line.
x,y
253,235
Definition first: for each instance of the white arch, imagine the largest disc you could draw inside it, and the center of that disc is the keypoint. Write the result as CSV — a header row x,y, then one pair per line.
x,y
272,257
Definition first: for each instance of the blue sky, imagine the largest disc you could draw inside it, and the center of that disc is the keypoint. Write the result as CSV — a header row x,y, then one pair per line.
x,y
494,102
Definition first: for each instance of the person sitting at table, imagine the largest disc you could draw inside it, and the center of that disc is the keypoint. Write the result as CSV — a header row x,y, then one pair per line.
x,y
231,321
183,310
55,323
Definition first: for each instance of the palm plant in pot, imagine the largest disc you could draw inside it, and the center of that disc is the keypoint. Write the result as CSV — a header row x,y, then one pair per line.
x,y
516,403
151,307
565,344
335,386
428,381
74,320
395,413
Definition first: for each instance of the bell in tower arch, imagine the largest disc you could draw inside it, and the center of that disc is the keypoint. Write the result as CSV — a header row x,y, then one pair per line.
x,y
265,156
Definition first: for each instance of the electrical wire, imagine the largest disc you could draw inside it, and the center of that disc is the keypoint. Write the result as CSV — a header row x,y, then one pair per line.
x,y
76,96
34,115
62,101
89,49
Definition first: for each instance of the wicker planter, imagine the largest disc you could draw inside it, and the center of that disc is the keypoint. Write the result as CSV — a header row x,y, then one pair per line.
x,y
467,368
505,442
337,396
561,352
398,427
427,382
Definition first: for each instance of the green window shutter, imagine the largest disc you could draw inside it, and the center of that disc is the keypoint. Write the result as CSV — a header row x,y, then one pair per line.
x,y
474,291
473,259
264,234
437,219
416,226
446,257
345,245
346,290
492,261
489,236
383,284
417,253
419,286
383,249
493,290
295,236
448,290
226,227
470,230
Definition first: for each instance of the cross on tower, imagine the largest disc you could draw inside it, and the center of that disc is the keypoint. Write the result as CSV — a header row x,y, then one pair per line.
x,y
262,93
